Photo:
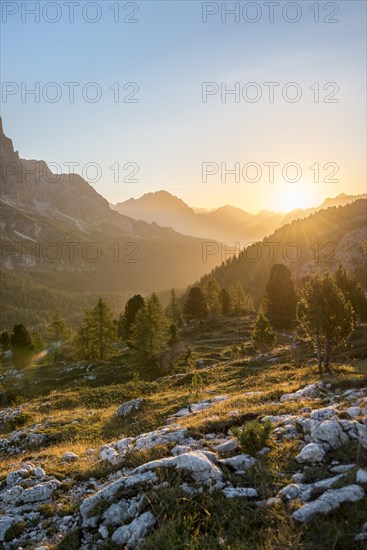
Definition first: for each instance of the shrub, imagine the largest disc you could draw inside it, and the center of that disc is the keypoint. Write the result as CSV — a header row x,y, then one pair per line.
x,y
254,436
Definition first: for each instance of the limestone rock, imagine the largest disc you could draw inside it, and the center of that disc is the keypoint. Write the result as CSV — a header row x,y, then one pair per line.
x,y
239,462
70,457
312,452
5,523
134,533
243,492
330,435
126,408
196,463
40,492
329,501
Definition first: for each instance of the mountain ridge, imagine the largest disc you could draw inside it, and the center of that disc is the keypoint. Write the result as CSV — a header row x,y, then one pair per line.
x,y
226,223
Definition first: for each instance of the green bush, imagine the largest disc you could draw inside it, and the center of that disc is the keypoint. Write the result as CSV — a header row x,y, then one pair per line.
x,y
254,436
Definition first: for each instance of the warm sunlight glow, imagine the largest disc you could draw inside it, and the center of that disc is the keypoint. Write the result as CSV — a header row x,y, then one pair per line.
x,y
291,198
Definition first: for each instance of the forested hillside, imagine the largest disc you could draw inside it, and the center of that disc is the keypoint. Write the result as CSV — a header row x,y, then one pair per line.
x,y
314,244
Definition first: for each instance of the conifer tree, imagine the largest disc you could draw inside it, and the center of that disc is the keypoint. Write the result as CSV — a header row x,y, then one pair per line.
x,y
262,336
127,320
5,341
149,333
83,338
58,333
225,301
241,303
325,315
21,345
103,330
280,298
173,311
195,306
352,291
211,293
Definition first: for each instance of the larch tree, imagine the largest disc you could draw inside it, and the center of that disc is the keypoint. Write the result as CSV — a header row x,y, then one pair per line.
x,y
225,301
241,303
149,334
325,315
103,330
58,333
211,293
173,310
83,338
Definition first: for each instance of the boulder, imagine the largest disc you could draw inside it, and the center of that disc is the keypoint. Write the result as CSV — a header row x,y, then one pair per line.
x,y
330,435
312,452
70,457
162,436
11,495
353,411
242,492
109,454
319,415
123,444
123,510
39,472
16,477
113,492
308,392
132,534
196,463
40,492
5,523
126,408
238,462
329,501
361,476
227,447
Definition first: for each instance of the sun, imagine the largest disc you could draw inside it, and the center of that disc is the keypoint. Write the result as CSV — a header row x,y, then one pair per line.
x,y
292,197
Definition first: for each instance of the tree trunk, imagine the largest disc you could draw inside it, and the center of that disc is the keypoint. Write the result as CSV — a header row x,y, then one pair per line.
x,y
318,350
327,354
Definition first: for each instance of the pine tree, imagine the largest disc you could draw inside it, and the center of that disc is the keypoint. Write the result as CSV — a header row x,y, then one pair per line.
x,y
173,335
225,301
195,306
149,332
21,345
211,293
83,338
103,330
5,341
127,320
37,341
58,333
352,291
280,298
173,310
325,315
262,336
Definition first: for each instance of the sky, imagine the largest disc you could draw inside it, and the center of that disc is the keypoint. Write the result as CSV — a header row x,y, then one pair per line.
x,y
163,119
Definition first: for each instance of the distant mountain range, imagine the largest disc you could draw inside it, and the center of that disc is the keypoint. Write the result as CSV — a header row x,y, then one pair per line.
x,y
63,245
309,245
226,224
57,231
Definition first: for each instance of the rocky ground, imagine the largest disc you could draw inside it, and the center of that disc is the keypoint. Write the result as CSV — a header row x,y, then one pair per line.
x,y
329,429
